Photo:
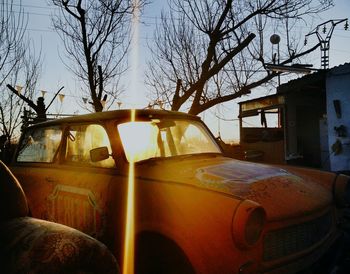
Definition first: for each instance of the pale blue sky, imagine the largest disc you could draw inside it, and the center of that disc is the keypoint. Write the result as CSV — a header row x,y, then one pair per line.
x,y
55,75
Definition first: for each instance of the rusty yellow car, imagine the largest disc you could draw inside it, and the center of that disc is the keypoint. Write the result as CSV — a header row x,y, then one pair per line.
x,y
194,210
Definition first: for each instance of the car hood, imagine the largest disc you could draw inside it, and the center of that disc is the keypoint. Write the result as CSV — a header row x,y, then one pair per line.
x,y
281,193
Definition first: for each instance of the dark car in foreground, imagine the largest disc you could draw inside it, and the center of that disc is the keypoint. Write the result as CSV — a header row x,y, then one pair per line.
x,y
196,211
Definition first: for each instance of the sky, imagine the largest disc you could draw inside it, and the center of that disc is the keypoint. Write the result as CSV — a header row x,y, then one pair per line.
x,y
55,74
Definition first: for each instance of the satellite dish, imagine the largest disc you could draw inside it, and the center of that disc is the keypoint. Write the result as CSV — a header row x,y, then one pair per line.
x,y
275,39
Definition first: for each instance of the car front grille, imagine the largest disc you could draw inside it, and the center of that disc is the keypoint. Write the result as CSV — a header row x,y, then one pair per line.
x,y
289,240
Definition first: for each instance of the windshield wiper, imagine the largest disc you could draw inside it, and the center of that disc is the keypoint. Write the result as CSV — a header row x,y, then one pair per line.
x,y
156,158
180,157
204,154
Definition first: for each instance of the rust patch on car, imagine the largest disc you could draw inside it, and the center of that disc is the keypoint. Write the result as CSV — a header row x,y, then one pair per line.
x,y
76,207
247,180
237,172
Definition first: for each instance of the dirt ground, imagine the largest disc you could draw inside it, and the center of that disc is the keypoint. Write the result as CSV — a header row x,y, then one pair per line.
x,y
343,266
337,260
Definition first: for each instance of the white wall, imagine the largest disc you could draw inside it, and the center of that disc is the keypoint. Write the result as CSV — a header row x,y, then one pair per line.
x,y
338,88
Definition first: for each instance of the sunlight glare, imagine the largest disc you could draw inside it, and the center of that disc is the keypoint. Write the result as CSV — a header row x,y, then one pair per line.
x,y
136,148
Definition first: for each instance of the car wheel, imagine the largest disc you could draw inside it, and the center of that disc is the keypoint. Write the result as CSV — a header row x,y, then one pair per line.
x,y
156,254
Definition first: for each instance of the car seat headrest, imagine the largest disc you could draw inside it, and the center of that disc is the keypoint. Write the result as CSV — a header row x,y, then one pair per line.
x,y
13,202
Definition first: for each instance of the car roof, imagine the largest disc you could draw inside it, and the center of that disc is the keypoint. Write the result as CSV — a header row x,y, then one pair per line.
x,y
118,114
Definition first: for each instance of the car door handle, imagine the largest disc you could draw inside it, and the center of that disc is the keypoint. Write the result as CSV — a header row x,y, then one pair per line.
x,y
50,179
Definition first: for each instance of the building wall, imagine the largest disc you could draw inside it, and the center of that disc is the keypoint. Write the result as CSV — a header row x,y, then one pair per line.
x,y
338,88
325,163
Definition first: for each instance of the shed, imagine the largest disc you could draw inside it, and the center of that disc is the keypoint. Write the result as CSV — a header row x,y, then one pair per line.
x,y
310,123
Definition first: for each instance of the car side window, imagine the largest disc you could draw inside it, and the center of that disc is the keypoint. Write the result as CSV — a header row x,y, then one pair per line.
x,y
81,139
39,145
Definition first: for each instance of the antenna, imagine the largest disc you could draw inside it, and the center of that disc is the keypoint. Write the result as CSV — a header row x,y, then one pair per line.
x,y
324,33
54,98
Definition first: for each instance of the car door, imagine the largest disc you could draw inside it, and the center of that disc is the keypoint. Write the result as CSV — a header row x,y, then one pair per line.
x,y
64,185
88,194
36,166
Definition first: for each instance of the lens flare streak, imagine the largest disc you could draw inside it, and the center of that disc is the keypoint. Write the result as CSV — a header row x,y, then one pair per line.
x,y
129,240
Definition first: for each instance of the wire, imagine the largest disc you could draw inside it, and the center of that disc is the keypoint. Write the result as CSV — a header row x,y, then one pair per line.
x,y
153,18
32,6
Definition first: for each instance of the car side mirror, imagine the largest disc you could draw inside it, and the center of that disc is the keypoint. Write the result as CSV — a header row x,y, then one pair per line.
x,y
99,154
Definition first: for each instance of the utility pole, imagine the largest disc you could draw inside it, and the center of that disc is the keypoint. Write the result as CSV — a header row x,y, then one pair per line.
x,y
275,40
324,37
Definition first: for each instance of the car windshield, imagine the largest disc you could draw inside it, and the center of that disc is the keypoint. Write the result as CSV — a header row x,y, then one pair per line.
x,y
143,140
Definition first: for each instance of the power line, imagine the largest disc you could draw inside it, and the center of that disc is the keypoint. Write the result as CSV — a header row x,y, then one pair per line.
x,y
155,18
39,30
32,6
341,36
341,50
27,12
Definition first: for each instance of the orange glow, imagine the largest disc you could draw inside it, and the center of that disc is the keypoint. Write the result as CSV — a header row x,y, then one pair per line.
x,y
129,240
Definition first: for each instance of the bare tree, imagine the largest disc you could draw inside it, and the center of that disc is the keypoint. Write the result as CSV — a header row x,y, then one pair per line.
x,y
95,34
207,52
27,72
12,31
17,63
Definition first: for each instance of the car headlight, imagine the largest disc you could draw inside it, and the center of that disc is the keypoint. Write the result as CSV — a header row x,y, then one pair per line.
x,y
341,190
248,223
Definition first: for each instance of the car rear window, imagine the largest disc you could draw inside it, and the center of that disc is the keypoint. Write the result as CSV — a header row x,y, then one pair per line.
x,y
39,145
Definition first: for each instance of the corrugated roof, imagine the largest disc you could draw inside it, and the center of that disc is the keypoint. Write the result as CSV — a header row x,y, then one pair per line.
x,y
314,80
340,66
